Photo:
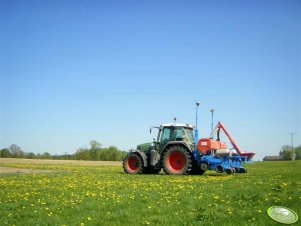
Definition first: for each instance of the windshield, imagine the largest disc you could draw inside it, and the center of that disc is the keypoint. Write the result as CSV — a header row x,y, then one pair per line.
x,y
177,134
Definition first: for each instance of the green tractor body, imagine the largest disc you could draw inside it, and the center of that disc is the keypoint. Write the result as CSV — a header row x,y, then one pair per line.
x,y
172,151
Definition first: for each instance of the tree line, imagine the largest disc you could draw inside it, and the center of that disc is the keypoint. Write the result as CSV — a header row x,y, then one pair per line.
x,y
97,153
287,151
94,153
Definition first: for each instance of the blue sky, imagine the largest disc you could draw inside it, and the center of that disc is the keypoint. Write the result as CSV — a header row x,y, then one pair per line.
x,y
76,71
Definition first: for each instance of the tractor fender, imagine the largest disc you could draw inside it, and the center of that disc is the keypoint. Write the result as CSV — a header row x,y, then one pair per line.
x,y
178,143
142,155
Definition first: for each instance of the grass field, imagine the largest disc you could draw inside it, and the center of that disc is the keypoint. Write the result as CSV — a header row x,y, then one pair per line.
x,y
79,194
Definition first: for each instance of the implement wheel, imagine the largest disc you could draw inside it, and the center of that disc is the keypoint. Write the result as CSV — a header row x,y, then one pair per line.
x,y
133,164
229,171
177,160
198,170
243,170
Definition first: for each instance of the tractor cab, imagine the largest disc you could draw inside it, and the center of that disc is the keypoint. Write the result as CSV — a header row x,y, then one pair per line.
x,y
174,132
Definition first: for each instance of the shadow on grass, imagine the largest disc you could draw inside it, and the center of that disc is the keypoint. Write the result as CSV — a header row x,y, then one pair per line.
x,y
195,175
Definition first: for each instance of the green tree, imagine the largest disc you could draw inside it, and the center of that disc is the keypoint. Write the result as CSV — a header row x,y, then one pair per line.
x,y
286,151
83,154
30,155
288,154
4,153
95,150
46,155
16,151
114,153
297,152
95,145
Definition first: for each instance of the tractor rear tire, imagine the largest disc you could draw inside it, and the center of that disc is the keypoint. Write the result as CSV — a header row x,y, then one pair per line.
x,y
177,161
133,164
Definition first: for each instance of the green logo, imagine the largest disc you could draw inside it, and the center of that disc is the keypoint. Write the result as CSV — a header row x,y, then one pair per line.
x,y
282,215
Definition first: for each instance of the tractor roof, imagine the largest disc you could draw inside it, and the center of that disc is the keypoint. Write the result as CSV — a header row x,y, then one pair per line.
x,y
177,125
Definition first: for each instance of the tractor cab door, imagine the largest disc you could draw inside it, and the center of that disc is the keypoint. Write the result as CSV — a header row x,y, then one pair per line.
x,y
164,137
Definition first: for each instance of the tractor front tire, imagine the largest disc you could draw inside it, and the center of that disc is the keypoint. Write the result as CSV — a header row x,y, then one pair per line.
x,y
133,164
177,160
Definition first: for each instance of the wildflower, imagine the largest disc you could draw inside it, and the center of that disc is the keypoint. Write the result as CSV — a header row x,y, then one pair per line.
x,y
216,197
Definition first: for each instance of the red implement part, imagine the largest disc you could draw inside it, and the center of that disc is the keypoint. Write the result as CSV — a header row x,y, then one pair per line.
x,y
205,145
220,126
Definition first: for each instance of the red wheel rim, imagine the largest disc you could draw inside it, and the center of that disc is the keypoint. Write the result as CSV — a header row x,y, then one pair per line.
x,y
133,164
176,161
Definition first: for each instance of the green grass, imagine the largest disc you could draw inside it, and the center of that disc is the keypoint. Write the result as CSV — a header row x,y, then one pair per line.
x,y
104,195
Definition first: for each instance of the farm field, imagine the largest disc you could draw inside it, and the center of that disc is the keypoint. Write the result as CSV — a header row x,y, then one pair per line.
x,y
79,193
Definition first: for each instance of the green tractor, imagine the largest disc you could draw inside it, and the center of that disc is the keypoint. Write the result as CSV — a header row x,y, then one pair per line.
x,y
172,151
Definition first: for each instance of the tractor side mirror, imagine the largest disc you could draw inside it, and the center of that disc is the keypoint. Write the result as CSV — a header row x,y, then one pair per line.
x,y
150,128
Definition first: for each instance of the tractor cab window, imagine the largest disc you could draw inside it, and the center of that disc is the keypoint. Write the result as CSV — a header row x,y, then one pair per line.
x,y
182,134
165,135
177,134
188,135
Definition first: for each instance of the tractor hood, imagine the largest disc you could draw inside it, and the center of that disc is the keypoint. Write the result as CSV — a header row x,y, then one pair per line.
x,y
144,147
